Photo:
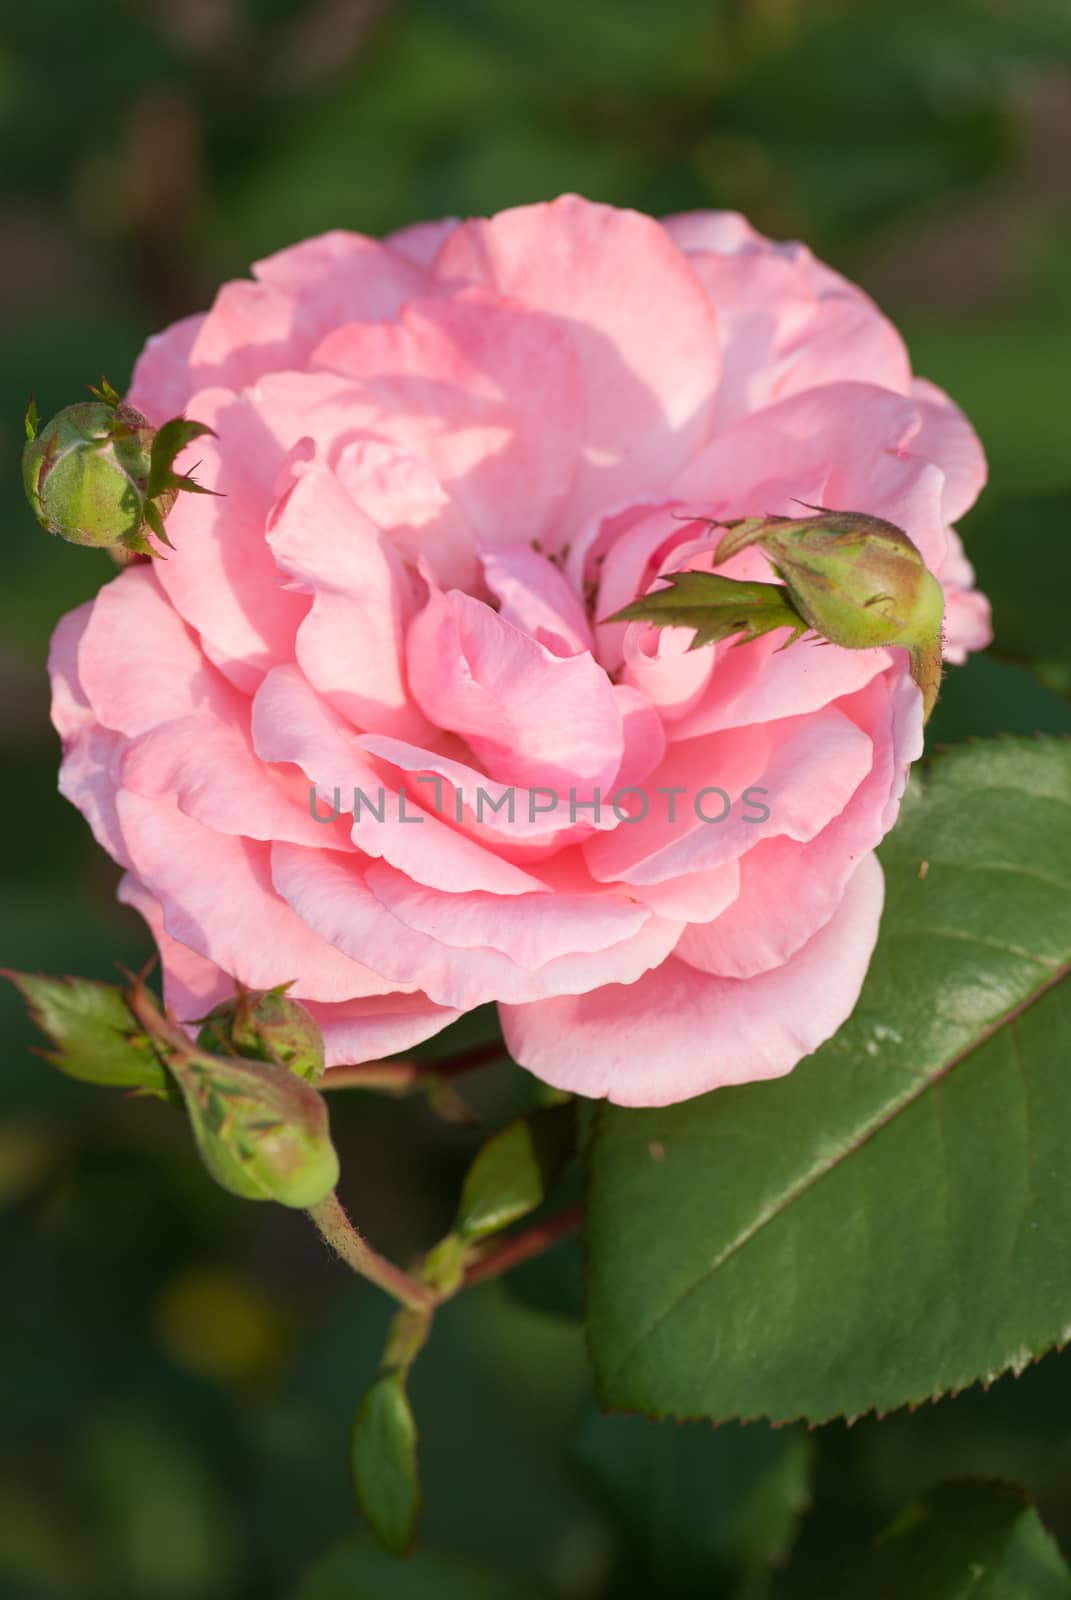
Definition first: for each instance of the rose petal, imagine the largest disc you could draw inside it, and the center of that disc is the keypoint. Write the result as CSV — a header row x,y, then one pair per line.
x,y
677,1032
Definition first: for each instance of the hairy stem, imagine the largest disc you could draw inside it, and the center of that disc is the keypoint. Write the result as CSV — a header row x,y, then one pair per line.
x,y
339,1232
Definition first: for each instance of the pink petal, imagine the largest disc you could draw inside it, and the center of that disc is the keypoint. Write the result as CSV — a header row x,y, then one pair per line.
x,y
789,889
530,823
947,438
330,895
786,322
350,644
644,735
138,663
291,724
807,768
857,438
422,241
633,557
486,393
90,752
215,888
531,717
276,322
661,664
249,330
71,709
532,929
638,317
381,1025
162,381
761,681
403,496
210,769
698,898
221,576
535,596
677,1032
339,277
192,985
726,232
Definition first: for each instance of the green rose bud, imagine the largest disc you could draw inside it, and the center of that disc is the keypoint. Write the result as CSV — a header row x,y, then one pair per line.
x,y
99,474
262,1132
87,471
857,580
267,1027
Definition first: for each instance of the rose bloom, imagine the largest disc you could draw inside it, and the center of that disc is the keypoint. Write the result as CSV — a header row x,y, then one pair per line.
x,y
444,458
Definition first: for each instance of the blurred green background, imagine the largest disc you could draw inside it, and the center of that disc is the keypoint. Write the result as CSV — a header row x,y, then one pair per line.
x,y
178,1371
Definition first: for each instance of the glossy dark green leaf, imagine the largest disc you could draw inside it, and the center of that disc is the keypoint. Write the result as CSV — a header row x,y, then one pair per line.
x,y
891,1221
988,697
358,1570
384,1460
515,1169
715,607
96,1037
982,1540
695,1503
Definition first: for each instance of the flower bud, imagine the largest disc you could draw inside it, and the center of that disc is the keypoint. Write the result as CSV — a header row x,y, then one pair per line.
x,y
86,474
857,580
267,1027
262,1132
100,475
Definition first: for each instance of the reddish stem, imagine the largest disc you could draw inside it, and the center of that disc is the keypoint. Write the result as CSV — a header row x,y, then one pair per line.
x,y
510,1253
405,1074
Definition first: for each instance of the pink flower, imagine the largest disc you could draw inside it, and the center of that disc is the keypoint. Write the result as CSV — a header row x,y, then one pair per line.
x,y
445,458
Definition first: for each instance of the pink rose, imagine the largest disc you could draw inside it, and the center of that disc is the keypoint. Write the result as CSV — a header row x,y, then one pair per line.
x,y
445,458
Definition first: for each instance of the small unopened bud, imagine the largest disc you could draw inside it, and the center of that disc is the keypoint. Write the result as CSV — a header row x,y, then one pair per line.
x,y
857,580
262,1132
99,474
266,1027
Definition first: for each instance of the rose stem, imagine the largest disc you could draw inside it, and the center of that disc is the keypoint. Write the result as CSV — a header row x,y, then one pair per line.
x,y
339,1232
509,1253
400,1075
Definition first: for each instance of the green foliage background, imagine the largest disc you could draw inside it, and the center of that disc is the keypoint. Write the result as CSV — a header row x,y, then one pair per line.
x,y
178,1372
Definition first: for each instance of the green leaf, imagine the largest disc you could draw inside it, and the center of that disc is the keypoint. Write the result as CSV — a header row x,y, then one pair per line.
x,y
155,522
984,1540
384,1460
168,443
97,1037
715,607
105,392
891,1221
987,697
358,1570
515,1169
697,1503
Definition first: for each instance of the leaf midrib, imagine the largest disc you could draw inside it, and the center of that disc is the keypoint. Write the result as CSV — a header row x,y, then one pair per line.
x,y
888,1115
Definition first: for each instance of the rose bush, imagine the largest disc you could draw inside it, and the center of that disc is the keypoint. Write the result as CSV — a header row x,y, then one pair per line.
x,y
443,459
